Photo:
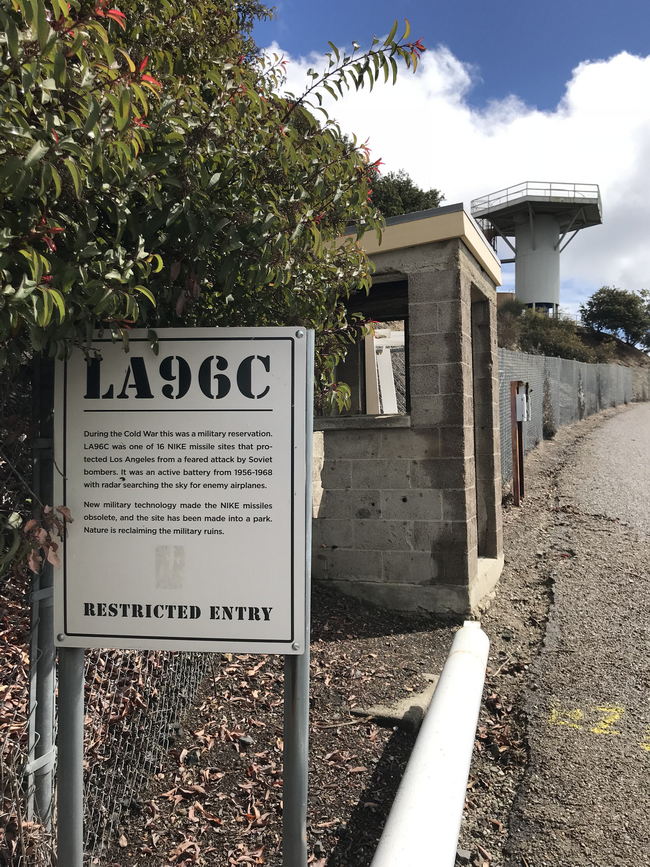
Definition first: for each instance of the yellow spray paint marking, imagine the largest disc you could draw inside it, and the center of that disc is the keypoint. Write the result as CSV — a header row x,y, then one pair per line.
x,y
610,715
566,717
603,718
595,720
645,744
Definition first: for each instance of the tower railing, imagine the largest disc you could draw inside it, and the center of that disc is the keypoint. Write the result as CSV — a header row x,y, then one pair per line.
x,y
535,189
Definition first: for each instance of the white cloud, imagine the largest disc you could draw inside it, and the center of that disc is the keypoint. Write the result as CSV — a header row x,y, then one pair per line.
x,y
599,133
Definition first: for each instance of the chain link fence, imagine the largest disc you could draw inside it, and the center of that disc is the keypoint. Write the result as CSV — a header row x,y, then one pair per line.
x,y
134,702
561,392
22,842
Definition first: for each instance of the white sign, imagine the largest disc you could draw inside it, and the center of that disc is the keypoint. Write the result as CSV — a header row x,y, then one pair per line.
x,y
185,475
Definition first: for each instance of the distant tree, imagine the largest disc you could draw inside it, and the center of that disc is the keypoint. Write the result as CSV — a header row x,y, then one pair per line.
x,y
396,193
621,312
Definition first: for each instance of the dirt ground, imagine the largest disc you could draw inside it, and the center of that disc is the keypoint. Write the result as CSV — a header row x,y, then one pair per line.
x,y
218,798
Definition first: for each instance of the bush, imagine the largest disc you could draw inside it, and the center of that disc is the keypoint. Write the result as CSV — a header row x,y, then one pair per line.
x,y
555,336
509,323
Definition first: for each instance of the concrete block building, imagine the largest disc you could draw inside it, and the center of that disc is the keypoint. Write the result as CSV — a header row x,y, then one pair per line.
x,y
407,487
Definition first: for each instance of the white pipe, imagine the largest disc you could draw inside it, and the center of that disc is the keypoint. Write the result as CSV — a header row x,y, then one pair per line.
x,y
424,821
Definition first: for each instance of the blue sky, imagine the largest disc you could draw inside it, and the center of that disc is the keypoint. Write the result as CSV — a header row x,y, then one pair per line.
x,y
507,92
524,47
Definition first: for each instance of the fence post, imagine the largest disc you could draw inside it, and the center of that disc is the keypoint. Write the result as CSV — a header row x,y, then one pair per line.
x,y
296,681
70,806
40,769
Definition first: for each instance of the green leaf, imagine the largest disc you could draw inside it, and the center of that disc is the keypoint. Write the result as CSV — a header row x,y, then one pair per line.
x,y
97,27
62,7
391,36
393,66
123,114
146,292
40,27
58,300
153,338
45,312
139,92
59,69
335,51
75,174
407,29
127,57
12,40
56,178
93,115
36,153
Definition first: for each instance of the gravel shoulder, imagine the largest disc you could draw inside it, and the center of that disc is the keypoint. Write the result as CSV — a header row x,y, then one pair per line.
x,y
584,798
217,799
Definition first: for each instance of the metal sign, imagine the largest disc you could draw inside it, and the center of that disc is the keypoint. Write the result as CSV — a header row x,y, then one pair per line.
x,y
185,473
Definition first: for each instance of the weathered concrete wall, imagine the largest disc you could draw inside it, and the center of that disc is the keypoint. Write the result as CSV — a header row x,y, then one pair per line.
x,y
395,499
563,392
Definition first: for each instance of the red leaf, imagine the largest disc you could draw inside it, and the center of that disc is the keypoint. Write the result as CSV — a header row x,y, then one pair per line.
x,y
144,63
152,80
118,17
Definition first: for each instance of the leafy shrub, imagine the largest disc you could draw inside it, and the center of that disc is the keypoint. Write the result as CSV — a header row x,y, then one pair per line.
x,y
150,157
554,336
509,323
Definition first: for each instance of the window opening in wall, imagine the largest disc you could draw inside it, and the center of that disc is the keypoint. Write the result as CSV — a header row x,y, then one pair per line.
x,y
385,369
376,368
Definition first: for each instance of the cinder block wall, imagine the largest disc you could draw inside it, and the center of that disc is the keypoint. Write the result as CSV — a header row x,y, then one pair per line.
x,y
395,499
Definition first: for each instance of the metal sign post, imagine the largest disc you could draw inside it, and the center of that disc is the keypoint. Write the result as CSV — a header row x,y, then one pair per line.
x,y
69,798
188,473
296,686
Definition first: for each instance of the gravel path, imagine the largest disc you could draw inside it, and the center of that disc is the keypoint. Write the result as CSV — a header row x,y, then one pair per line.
x,y
612,474
584,797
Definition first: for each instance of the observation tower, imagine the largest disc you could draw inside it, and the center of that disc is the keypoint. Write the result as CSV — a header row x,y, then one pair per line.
x,y
542,218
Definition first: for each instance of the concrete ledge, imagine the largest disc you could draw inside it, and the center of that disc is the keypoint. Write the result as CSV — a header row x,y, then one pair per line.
x,y
361,422
489,572
407,712
443,600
